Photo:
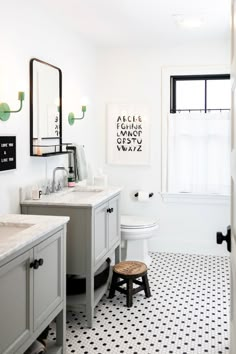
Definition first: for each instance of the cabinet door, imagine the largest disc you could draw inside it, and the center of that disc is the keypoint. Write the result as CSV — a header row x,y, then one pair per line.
x,y
48,278
15,303
113,221
100,232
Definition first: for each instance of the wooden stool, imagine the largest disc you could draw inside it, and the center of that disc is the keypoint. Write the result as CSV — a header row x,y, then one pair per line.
x,y
129,271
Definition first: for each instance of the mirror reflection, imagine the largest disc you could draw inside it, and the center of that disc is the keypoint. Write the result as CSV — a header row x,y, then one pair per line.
x,y
45,106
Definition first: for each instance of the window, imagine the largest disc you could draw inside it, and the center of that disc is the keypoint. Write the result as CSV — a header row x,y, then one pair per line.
x,y
199,92
198,152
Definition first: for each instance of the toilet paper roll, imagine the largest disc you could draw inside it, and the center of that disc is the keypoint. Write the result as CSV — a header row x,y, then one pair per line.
x,y
143,196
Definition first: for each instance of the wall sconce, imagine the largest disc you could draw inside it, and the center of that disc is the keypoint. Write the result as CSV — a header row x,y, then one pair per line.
x,y
84,102
5,109
71,117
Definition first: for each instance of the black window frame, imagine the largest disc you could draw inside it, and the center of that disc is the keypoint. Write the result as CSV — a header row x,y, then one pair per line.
x,y
175,78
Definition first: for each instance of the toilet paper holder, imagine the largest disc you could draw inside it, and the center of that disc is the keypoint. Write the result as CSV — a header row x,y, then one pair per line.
x,y
150,195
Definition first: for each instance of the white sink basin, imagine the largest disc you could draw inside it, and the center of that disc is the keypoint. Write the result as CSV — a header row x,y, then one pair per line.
x,y
88,189
85,192
10,229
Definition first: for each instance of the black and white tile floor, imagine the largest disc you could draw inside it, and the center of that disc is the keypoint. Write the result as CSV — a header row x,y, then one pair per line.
x,y
187,313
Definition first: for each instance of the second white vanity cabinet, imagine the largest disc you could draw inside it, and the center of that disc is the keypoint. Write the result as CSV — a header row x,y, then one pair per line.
x,y
93,235
32,288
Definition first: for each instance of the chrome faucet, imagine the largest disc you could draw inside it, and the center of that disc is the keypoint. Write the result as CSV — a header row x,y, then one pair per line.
x,y
54,175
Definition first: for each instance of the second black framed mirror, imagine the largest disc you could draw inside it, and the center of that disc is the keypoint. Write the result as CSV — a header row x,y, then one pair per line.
x,y
45,109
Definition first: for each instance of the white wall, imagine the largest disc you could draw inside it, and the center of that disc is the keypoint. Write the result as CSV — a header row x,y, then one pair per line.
x,y
29,31
134,75
116,75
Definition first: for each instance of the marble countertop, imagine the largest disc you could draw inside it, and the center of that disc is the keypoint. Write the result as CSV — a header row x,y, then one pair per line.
x,y
19,231
76,196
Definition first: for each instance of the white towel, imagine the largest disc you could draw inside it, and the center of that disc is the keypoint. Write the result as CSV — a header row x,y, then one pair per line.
x,y
36,348
81,168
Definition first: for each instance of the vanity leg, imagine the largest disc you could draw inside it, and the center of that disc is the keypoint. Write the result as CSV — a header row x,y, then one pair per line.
x,y
117,254
90,300
61,330
61,317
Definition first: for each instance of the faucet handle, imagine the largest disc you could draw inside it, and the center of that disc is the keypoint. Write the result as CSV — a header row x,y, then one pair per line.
x,y
47,190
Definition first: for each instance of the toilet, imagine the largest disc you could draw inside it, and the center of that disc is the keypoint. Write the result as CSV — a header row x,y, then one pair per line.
x,y
135,231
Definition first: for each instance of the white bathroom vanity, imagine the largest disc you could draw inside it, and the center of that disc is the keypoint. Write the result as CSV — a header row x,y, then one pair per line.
x,y
32,281
93,235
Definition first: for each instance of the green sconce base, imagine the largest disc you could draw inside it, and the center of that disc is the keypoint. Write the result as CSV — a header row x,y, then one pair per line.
x,y
71,118
4,111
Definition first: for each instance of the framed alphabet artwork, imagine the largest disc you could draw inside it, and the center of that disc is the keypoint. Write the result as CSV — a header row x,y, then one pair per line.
x,y
127,134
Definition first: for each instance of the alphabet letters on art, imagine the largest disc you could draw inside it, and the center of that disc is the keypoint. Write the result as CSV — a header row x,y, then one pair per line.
x,y
129,133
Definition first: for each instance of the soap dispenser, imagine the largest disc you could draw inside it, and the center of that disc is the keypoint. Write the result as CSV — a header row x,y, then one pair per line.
x,y
71,177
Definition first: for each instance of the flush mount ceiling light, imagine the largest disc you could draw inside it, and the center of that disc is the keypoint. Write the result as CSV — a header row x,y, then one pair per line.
x,y
189,21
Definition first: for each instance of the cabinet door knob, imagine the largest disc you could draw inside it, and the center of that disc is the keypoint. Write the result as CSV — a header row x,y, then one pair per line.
x,y
110,210
36,263
40,261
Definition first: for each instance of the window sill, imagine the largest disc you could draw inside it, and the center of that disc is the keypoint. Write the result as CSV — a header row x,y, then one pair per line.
x,y
195,198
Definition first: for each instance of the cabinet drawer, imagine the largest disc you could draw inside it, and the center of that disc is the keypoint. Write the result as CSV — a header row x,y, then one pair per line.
x,y
16,303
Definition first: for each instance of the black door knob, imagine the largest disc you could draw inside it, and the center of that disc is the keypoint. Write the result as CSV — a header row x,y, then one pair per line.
x,y
220,238
40,261
36,263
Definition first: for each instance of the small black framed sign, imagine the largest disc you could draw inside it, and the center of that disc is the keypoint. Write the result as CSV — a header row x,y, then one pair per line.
x,y
7,153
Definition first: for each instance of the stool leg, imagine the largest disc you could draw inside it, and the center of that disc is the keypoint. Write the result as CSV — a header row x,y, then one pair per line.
x,y
146,285
129,299
113,286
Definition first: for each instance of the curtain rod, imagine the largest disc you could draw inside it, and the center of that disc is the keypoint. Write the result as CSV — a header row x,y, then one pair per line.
x,y
200,110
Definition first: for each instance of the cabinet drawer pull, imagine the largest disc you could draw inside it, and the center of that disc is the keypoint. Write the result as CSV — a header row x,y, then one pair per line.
x,y
36,263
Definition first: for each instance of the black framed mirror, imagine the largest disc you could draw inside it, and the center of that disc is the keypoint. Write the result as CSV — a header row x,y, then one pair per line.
x,y
45,109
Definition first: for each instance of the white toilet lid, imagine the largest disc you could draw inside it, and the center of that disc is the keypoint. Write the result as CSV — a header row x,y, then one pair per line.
x,y
136,222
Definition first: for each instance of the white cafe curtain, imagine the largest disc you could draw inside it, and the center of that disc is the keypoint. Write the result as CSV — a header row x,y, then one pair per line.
x,y
199,152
